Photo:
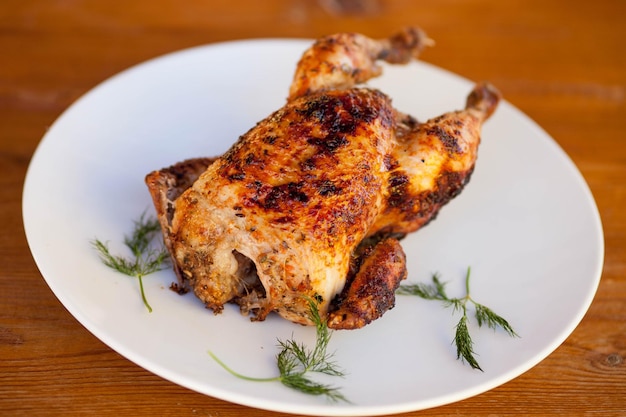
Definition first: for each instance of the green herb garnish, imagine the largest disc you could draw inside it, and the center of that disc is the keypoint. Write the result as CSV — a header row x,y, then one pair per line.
x,y
145,260
462,338
295,361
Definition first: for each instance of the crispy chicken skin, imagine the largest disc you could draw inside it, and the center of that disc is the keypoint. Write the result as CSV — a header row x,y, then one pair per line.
x,y
310,202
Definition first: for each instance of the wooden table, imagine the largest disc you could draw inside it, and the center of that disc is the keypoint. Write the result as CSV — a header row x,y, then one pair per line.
x,y
561,62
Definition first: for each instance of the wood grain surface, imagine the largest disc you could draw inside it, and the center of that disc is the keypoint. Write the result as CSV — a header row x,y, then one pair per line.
x,y
563,63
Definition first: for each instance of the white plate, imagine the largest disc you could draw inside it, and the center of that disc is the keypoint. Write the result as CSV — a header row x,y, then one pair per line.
x,y
527,224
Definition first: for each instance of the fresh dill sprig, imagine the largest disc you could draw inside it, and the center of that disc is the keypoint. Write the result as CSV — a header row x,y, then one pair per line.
x,y
462,338
295,361
145,260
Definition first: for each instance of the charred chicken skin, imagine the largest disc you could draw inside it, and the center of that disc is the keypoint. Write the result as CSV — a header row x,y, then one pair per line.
x,y
312,201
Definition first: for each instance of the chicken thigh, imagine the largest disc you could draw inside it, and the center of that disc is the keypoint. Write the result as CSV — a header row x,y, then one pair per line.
x,y
312,201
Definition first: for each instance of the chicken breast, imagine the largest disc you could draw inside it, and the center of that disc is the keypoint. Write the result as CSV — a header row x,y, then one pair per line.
x,y
310,202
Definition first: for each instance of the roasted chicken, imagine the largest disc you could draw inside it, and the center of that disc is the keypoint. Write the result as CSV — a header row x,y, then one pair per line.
x,y
310,204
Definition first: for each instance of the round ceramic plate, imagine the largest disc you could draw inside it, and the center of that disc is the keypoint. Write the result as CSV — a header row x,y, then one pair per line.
x,y
526,224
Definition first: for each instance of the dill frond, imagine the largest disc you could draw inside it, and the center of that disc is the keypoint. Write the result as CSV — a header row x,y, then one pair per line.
x,y
295,362
145,259
462,338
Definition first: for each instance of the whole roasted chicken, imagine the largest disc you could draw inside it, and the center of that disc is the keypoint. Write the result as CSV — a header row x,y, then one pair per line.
x,y
310,204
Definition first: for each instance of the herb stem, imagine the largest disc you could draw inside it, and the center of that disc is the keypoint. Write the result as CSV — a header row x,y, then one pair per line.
x,y
143,293
241,376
